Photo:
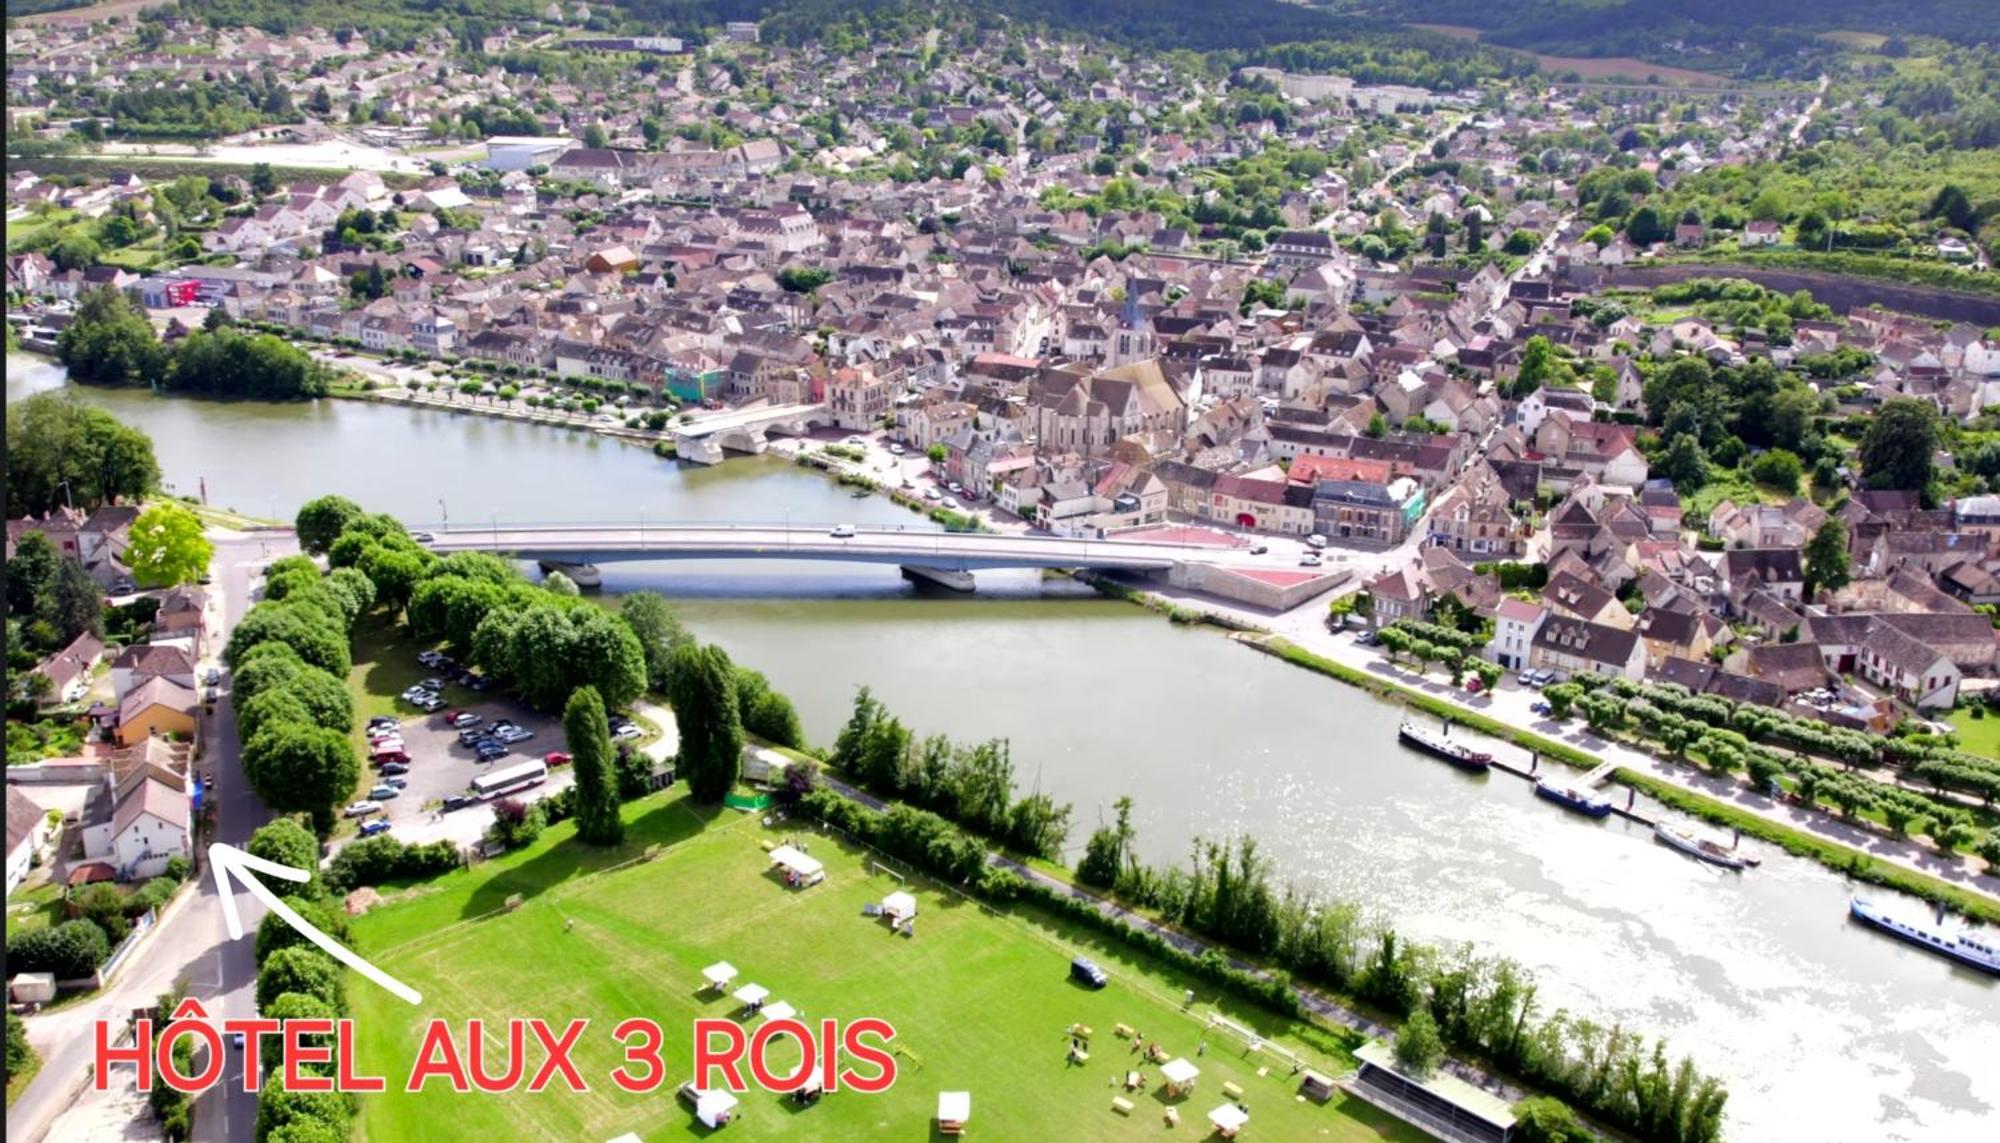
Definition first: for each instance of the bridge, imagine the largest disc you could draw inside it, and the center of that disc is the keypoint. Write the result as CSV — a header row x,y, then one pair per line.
x,y
914,546
744,430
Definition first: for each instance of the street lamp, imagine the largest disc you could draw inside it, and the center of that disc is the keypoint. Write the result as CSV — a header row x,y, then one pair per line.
x,y
445,514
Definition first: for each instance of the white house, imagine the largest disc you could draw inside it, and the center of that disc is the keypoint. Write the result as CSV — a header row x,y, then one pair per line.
x,y
1514,627
148,824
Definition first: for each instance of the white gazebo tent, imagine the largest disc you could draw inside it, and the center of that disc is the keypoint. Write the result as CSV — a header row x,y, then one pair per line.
x,y
899,905
714,1108
752,995
808,870
628,1137
1179,1075
719,974
954,1109
780,1011
1228,1120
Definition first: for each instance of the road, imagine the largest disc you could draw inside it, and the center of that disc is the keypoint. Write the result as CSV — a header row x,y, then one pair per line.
x,y
878,545
1805,117
192,945
1380,188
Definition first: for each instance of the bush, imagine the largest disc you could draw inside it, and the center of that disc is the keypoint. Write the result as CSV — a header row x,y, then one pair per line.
x,y
378,860
301,969
70,951
275,932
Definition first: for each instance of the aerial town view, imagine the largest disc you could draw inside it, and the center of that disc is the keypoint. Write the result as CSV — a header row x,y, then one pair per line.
x,y
1343,570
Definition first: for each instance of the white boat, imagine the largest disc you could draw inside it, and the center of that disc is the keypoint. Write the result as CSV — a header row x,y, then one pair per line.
x,y
1701,848
1981,953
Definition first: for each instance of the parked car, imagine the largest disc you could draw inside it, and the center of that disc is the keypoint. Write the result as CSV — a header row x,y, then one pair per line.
x,y
432,704
1368,638
423,537
949,502
954,486
430,658
895,450
214,677
463,718
388,721
1316,541
387,758
455,802
383,791
556,758
842,532
1310,560
1084,971
628,731
1542,708
362,809
1259,549
394,766
932,494
379,825
397,782
477,682
514,734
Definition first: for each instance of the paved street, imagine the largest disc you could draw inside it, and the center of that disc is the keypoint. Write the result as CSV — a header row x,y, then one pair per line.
x,y
192,944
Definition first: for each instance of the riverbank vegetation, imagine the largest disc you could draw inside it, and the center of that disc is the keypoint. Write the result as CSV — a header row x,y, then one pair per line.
x,y
61,451
110,342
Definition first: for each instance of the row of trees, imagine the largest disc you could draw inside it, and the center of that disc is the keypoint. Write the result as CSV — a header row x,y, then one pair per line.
x,y
297,981
291,656
1455,657
970,783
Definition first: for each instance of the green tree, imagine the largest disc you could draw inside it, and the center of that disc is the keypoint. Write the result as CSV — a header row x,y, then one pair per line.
x,y
293,1006
61,451
1645,227
30,575
659,632
1537,366
302,969
589,736
937,454
1827,564
594,136
1779,469
1901,441
299,768
286,842
275,932
70,950
703,697
1686,463
803,279
20,1054
1543,1119
167,547
263,180
321,521
1419,1048
110,342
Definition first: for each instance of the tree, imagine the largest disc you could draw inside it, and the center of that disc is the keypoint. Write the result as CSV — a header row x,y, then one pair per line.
x,y
263,180
1897,451
589,736
61,451
321,521
286,842
703,696
1419,1049
1686,464
167,547
803,279
1537,366
20,1054
659,632
302,969
1779,469
70,951
110,342
1826,558
30,574
937,454
1378,427
308,631
1544,1119
300,768
275,932
594,136
294,1006
1645,227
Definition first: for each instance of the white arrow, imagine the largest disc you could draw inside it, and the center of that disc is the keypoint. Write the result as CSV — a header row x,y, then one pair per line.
x,y
228,862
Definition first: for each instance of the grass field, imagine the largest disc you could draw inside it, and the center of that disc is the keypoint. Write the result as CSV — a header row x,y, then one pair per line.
x,y
35,908
980,1001
1979,736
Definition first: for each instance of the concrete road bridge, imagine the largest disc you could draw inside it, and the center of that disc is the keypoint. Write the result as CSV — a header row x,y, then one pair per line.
x,y
703,440
944,557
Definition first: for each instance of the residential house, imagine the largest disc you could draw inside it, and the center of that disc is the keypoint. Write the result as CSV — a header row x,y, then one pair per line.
x,y
69,669
1514,626
1574,646
136,664
158,706
27,834
139,824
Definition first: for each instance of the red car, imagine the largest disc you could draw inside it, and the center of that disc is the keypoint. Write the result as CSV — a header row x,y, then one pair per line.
x,y
556,758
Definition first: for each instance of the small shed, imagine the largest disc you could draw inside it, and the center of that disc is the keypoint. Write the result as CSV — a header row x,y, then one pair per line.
x,y
32,987
1315,1086
899,905
954,1110
1180,1075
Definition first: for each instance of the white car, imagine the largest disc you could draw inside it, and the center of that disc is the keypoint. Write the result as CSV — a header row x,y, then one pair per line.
x,y
362,809
629,730
932,494
948,502
842,532
1309,560
895,450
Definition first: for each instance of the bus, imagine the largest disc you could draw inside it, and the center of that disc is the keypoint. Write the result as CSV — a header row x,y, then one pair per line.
x,y
512,780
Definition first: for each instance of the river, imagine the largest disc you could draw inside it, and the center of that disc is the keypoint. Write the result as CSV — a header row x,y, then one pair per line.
x,y
1822,1031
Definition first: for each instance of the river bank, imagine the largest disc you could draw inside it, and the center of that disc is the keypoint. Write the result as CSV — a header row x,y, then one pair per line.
x,y
1820,1028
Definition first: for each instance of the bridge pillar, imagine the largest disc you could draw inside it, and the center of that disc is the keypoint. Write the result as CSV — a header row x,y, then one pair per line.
x,y
939,577
585,575
699,450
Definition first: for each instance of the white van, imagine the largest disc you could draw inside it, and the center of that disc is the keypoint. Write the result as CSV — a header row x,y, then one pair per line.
x,y
1316,542
842,532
